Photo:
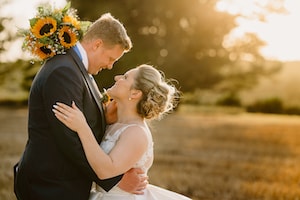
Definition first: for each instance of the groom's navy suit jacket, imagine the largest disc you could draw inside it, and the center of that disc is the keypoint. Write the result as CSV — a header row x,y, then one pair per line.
x,y
54,165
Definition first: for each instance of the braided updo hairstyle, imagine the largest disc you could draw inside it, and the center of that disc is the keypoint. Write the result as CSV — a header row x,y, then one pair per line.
x,y
159,95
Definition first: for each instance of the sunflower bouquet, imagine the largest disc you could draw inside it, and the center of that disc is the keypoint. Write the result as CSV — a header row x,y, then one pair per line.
x,y
52,31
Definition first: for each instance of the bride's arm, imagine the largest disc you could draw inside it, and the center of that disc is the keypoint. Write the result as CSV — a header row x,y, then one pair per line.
x,y
128,150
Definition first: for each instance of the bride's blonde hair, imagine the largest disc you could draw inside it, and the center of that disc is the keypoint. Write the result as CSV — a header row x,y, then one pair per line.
x,y
160,96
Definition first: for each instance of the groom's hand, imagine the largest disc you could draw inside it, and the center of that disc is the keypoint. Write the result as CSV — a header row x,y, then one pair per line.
x,y
134,181
111,112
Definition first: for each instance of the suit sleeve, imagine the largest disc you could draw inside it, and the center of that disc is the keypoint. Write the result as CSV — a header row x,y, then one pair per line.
x,y
65,85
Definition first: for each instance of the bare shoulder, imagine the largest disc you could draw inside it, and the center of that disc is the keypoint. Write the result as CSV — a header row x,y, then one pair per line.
x,y
136,133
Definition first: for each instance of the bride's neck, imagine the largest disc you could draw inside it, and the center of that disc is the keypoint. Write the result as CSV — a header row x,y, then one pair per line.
x,y
127,114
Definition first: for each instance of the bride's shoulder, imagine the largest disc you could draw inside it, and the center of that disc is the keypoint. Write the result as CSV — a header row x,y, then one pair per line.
x,y
134,129
136,133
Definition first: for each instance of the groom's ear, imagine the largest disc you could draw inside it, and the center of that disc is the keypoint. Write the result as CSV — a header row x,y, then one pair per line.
x,y
97,43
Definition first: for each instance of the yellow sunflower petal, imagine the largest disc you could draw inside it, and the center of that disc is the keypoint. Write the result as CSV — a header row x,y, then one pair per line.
x,y
73,21
44,27
42,51
67,37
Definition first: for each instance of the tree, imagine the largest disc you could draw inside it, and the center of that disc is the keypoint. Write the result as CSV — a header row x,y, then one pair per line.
x,y
182,38
15,77
15,81
185,39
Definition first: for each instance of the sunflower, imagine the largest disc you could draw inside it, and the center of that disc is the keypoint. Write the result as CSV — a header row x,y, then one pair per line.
x,y
44,27
72,21
43,51
52,31
67,37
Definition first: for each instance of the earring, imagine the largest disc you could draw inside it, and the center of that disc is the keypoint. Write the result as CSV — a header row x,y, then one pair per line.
x,y
129,98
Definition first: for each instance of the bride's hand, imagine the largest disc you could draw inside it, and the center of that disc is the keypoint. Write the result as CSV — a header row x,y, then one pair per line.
x,y
72,117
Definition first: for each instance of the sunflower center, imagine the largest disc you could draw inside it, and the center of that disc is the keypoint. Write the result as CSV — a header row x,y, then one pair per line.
x,y
67,37
45,50
46,29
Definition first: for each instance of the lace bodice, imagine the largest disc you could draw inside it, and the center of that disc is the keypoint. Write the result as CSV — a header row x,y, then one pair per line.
x,y
151,192
112,135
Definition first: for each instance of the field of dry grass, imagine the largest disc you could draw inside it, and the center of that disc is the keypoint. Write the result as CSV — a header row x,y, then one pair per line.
x,y
203,154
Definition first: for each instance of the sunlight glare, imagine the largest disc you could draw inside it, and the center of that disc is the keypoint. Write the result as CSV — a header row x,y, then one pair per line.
x,y
279,31
234,7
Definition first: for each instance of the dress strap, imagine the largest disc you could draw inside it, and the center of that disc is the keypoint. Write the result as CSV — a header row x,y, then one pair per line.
x,y
125,127
121,130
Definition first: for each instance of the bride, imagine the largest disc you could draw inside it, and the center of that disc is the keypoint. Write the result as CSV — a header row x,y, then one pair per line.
x,y
141,93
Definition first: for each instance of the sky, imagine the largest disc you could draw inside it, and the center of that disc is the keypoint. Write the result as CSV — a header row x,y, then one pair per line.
x,y
21,11
281,32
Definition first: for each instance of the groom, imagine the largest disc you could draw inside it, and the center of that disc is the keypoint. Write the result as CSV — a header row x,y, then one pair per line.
x,y
54,165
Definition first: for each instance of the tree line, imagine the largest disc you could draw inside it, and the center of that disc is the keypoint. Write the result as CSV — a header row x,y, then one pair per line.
x,y
185,39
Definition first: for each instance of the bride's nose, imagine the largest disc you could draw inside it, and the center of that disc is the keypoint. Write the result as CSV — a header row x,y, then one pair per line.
x,y
117,77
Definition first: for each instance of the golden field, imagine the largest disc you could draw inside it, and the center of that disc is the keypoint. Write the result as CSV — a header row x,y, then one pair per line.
x,y
202,153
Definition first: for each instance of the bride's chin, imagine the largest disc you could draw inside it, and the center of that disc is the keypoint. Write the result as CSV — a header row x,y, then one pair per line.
x,y
109,92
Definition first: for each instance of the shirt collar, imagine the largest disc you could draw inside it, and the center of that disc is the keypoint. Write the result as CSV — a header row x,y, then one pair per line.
x,y
83,55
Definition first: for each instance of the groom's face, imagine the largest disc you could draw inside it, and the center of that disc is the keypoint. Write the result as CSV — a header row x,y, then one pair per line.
x,y
103,57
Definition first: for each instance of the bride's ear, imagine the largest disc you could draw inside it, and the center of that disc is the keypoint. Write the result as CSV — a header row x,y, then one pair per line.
x,y
136,94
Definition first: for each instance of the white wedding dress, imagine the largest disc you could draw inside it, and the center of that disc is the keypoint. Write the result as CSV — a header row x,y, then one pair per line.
x,y
152,192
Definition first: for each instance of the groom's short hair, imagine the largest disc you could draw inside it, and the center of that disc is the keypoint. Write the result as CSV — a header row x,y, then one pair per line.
x,y
110,30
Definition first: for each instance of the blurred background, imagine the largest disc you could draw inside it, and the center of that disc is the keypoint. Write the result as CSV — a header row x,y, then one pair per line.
x,y
237,65
224,52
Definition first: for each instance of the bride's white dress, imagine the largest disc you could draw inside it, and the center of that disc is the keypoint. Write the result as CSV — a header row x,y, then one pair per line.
x,y
152,192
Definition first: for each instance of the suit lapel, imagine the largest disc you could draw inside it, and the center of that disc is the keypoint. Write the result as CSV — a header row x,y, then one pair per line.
x,y
90,85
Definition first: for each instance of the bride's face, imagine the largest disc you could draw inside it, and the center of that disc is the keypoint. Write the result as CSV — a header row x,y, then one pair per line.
x,y
123,85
